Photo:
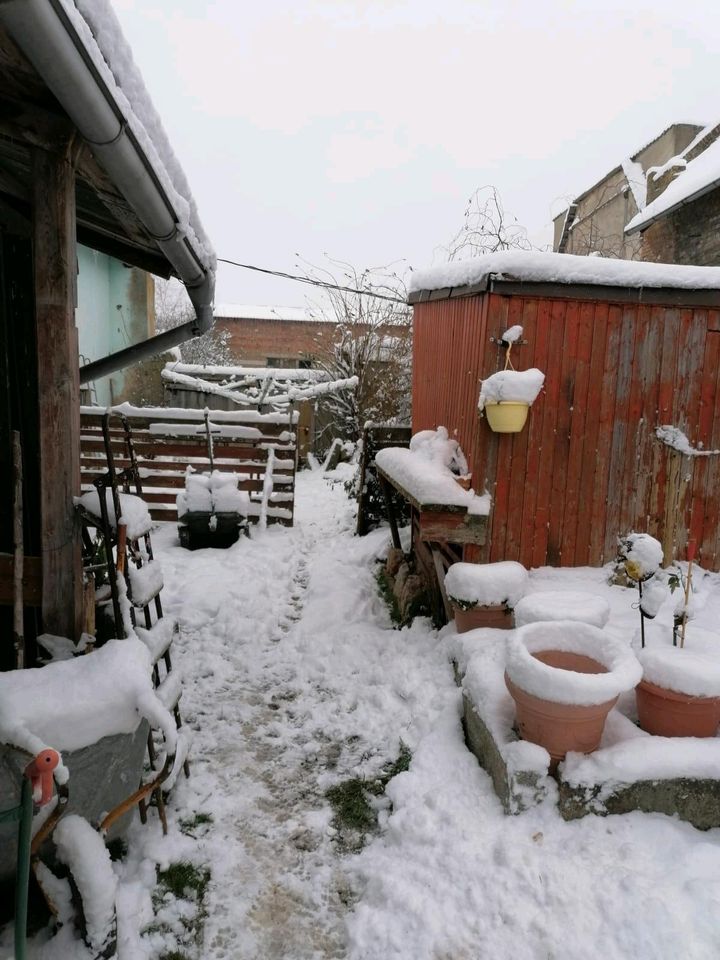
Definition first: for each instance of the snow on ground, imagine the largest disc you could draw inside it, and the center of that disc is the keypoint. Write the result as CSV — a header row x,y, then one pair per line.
x,y
295,681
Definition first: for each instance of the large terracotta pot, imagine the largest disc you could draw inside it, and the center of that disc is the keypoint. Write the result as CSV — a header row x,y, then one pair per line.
x,y
498,617
667,713
565,676
561,727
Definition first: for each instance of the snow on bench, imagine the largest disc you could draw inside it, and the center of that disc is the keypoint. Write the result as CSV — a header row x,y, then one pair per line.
x,y
428,485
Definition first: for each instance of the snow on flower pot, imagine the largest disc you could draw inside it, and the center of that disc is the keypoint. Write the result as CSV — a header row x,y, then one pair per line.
x,y
679,695
561,605
506,397
483,594
565,677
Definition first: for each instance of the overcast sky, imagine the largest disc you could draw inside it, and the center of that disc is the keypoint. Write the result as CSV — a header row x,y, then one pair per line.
x,y
361,128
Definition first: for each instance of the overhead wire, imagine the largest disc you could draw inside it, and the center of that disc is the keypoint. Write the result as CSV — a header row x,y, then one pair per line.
x,y
313,282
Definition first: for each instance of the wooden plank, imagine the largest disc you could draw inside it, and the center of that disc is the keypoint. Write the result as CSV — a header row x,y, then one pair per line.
x,y
530,501
54,256
31,581
485,462
452,528
578,426
561,446
598,548
550,406
504,448
615,522
589,456
440,574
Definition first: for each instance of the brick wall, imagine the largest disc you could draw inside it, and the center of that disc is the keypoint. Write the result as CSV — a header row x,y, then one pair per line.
x,y
690,235
254,341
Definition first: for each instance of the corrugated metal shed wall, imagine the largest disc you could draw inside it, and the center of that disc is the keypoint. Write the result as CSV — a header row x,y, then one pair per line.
x,y
587,467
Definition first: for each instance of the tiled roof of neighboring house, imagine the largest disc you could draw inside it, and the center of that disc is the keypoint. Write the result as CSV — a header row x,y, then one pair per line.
x,y
699,177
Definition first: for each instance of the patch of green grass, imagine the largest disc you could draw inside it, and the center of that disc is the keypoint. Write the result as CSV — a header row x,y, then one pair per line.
x,y
355,817
183,876
386,592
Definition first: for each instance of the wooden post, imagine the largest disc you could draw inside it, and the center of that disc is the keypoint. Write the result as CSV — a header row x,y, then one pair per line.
x,y
55,261
389,506
18,609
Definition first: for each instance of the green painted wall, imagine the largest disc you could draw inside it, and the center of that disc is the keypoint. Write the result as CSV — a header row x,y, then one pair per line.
x,y
115,309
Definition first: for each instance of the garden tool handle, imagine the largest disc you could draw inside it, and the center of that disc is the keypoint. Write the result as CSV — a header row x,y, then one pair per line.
x,y
40,773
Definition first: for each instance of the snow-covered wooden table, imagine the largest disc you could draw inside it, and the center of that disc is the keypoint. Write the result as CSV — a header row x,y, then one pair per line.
x,y
446,511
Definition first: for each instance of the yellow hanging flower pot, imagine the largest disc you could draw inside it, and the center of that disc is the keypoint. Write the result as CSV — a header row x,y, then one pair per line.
x,y
506,416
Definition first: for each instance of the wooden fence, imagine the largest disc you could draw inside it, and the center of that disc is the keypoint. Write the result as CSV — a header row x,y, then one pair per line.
x,y
260,448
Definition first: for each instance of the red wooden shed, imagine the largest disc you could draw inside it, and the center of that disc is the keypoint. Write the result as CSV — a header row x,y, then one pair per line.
x,y
626,347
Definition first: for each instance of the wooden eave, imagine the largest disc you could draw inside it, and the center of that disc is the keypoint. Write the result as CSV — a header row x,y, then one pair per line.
x,y
31,118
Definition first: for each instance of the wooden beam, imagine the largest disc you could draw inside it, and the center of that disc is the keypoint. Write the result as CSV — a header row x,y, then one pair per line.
x,y
31,580
55,262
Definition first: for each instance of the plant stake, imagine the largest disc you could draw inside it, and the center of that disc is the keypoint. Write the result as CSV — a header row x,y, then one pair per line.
x,y
691,556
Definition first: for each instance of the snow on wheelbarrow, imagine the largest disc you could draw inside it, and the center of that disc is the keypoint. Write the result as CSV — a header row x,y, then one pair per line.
x,y
96,710
212,512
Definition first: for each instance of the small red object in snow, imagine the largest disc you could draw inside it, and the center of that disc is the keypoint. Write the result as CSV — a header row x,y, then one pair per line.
x,y
40,772
691,549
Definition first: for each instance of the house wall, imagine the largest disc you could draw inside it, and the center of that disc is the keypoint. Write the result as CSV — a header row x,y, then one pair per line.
x,y
689,235
587,467
115,309
253,342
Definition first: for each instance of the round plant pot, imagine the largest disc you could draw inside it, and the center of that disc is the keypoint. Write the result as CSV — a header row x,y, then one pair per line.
x,y
667,713
506,416
565,677
496,617
561,727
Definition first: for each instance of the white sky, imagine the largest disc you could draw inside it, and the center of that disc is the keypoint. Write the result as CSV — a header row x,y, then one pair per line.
x,y
360,128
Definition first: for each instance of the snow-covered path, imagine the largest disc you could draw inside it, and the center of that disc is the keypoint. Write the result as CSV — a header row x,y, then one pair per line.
x,y
290,687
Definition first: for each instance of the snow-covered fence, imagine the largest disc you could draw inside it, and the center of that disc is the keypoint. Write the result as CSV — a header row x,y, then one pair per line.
x,y
167,441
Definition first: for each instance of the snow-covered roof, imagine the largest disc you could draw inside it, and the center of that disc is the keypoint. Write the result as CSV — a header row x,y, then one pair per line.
x,y
699,177
240,311
534,267
103,40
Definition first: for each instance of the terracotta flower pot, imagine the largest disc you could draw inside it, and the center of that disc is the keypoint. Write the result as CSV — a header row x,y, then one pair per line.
x,y
565,676
561,727
498,617
667,713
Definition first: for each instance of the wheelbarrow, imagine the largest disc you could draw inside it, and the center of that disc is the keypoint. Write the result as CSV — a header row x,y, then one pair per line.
x,y
36,789
36,792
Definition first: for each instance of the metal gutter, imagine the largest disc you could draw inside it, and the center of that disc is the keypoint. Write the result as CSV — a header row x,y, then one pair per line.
x,y
49,39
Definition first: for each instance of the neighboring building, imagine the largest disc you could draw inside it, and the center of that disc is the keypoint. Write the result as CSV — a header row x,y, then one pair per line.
x,y
273,336
596,221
